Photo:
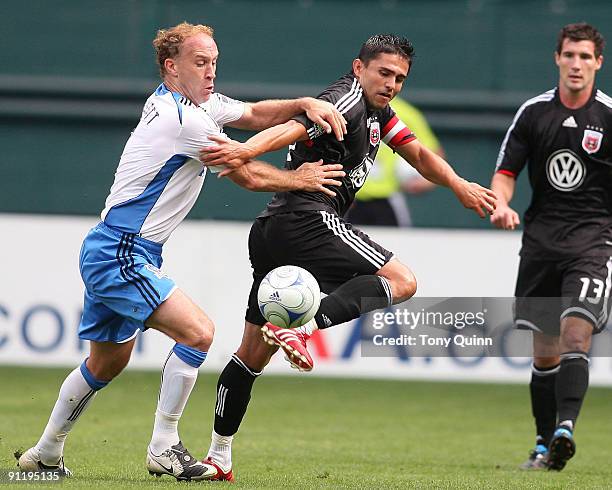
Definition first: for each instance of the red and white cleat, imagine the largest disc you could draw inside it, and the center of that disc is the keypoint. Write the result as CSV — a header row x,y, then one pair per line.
x,y
221,475
293,343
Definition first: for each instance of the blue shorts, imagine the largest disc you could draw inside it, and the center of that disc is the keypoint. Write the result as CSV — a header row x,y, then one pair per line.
x,y
123,284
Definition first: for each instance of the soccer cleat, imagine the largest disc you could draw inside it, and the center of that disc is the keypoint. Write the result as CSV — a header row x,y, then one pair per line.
x,y
221,475
562,448
30,461
177,462
293,343
538,459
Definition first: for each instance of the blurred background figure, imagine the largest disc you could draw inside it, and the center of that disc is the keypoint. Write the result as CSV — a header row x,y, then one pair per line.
x,y
382,200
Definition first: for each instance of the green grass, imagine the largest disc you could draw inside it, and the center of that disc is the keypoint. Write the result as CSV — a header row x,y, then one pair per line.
x,y
306,432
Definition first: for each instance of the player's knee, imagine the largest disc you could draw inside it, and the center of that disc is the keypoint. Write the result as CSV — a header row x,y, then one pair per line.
x,y
200,333
207,332
575,341
405,287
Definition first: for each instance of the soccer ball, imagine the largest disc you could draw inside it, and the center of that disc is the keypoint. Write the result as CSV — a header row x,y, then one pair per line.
x,y
289,296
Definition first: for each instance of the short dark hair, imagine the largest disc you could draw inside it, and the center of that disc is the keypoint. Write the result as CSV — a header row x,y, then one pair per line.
x,y
582,31
386,43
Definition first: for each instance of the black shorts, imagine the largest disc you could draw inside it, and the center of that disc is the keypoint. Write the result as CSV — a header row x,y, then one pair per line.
x,y
331,249
547,291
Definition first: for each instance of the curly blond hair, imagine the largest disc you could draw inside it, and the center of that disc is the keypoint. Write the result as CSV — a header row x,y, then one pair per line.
x,y
168,41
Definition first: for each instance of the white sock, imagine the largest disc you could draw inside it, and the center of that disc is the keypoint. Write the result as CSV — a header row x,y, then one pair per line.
x,y
74,397
178,379
221,451
308,328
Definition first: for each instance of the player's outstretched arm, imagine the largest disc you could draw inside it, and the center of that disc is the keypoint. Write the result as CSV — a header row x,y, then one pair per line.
x,y
437,170
233,154
504,216
268,113
311,176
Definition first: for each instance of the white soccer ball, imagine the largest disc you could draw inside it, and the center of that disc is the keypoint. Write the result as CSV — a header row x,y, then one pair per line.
x,y
289,296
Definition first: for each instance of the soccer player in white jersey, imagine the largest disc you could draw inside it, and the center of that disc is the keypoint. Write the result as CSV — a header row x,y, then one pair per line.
x,y
157,182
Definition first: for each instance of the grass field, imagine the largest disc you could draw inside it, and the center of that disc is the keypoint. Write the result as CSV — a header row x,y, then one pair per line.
x,y
305,432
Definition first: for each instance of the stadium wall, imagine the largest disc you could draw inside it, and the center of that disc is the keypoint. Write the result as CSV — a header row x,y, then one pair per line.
x,y
41,297
73,88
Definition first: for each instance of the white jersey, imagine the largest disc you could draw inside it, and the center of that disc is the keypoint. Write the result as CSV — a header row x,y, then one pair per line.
x,y
159,176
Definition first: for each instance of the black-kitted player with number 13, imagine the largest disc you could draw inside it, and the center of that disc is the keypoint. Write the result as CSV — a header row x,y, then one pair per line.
x,y
563,136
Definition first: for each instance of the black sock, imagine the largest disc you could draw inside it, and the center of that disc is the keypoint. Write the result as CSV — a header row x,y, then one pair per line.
x,y
543,401
233,395
572,384
355,297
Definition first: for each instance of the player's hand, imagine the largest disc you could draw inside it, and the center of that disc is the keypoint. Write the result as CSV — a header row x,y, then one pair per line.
x,y
225,153
505,217
473,196
314,176
325,115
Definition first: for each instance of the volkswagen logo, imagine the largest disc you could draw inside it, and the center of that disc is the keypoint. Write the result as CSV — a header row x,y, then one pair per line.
x,y
565,170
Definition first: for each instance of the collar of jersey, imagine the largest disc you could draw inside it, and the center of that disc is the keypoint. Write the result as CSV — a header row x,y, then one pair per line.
x,y
162,90
585,106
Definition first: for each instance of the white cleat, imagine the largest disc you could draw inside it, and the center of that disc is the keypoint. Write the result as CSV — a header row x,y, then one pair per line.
x,y
177,462
30,461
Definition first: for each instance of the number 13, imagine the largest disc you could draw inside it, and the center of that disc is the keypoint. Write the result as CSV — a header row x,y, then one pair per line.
x,y
598,290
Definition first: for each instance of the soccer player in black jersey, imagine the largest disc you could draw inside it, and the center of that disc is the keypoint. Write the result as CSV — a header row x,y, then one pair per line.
x,y
307,229
563,137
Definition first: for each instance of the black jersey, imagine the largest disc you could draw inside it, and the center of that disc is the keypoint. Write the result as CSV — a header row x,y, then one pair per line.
x,y
569,158
365,129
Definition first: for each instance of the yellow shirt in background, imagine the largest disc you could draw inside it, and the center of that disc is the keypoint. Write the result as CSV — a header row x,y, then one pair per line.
x,y
389,169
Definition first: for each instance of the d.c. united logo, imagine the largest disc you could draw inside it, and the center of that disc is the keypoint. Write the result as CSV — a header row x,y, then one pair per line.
x,y
591,141
374,133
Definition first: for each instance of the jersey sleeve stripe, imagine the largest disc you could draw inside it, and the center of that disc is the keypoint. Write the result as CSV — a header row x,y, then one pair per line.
x,y
607,103
348,105
402,138
389,126
604,99
347,95
507,172
348,100
545,97
603,94
396,133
